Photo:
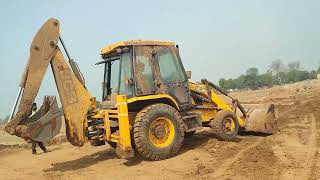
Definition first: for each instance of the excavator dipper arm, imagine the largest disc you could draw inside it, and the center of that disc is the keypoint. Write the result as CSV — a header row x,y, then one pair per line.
x,y
75,99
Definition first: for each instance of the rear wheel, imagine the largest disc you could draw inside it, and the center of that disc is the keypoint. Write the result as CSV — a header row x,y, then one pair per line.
x,y
225,125
158,132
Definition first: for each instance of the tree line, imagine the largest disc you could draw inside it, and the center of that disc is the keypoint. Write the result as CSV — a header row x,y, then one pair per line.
x,y
278,73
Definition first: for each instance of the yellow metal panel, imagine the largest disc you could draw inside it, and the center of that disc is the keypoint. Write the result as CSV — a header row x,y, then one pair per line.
x,y
98,115
124,127
221,104
110,48
150,97
107,126
112,111
113,116
206,115
219,101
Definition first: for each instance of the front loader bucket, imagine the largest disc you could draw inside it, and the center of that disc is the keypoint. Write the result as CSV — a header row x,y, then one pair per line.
x,y
46,123
262,119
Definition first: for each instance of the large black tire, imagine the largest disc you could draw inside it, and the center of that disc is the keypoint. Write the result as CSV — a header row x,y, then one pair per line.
x,y
142,127
218,125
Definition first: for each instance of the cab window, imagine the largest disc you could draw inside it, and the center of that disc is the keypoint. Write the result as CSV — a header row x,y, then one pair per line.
x,y
170,68
143,70
125,86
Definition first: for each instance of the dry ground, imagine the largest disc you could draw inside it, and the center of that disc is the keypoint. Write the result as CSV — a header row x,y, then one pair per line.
x,y
293,153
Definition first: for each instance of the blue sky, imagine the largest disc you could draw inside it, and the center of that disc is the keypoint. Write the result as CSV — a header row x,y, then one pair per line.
x,y
216,38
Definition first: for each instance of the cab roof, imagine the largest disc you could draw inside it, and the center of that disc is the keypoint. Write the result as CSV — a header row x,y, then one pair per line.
x,y
112,47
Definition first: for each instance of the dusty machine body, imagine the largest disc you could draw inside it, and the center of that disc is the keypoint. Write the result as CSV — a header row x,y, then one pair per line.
x,y
148,102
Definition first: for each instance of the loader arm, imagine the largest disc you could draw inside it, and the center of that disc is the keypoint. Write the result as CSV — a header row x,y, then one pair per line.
x,y
75,99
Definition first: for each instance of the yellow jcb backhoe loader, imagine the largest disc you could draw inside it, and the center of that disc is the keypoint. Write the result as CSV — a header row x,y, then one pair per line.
x,y
148,102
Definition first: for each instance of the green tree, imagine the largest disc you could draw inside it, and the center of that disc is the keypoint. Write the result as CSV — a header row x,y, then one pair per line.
x,y
239,82
265,79
277,74
302,75
251,78
229,84
292,76
253,71
222,83
313,74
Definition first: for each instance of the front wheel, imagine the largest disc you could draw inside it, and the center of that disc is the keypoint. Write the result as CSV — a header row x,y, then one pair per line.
x,y
225,125
158,132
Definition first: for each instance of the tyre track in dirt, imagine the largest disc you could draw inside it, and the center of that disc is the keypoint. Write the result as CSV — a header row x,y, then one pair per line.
x,y
227,164
296,148
291,154
315,169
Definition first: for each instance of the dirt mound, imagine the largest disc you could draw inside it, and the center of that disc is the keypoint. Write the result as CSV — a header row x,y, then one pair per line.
x,y
277,94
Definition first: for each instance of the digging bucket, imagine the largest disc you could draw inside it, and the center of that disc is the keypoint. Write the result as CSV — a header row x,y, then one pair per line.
x,y
262,119
45,123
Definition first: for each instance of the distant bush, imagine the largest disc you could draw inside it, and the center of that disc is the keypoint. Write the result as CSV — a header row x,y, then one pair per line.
x,y
278,73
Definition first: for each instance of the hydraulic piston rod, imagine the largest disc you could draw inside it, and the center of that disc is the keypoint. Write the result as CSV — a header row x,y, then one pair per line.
x,y
15,103
74,66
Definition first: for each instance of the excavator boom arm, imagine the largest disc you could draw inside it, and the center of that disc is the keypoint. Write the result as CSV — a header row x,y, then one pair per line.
x,y
75,99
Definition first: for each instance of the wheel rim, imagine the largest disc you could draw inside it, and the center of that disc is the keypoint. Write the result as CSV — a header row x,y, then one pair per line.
x,y
161,132
228,125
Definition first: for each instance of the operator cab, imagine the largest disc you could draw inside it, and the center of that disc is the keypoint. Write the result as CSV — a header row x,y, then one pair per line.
x,y
141,68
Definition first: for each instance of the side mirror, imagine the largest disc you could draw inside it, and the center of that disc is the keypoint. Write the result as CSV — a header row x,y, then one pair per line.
x,y
188,74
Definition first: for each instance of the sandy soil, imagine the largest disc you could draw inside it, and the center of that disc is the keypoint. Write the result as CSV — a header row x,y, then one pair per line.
x,y
293,153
